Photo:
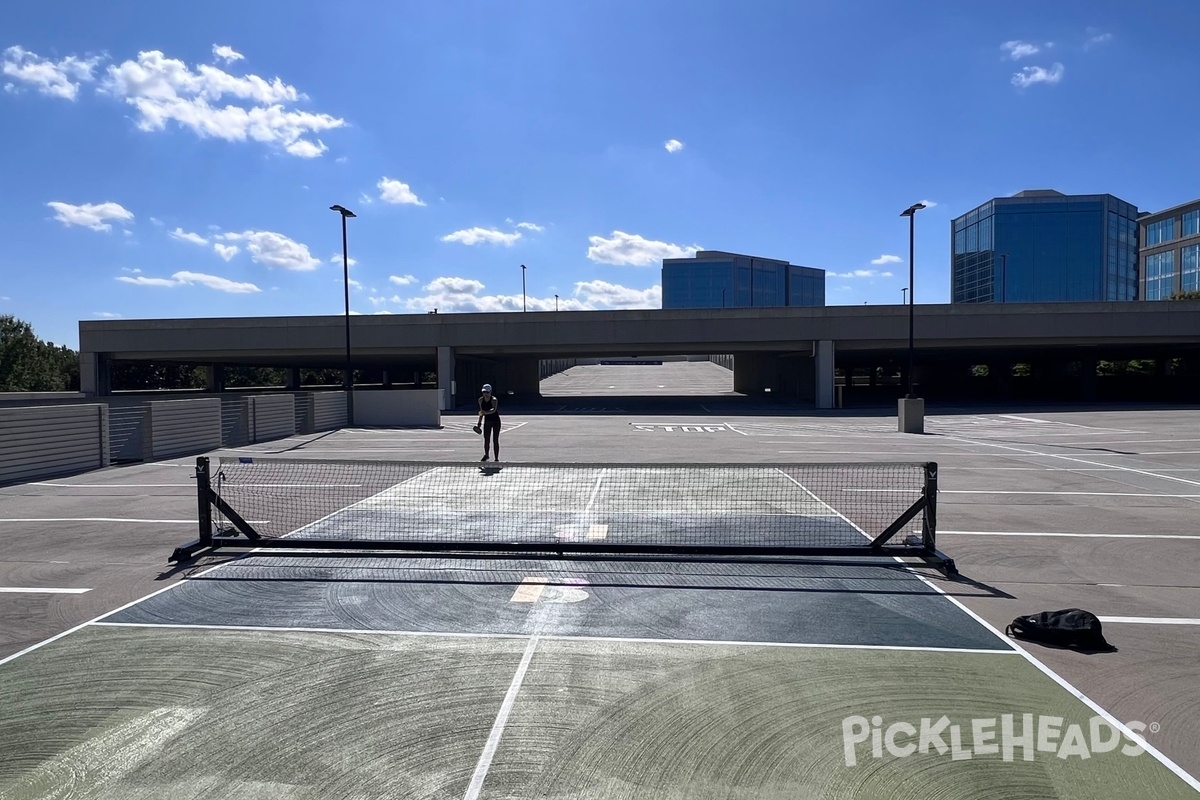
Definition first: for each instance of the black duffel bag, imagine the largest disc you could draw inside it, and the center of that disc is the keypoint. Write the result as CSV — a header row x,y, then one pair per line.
x,y
1069,627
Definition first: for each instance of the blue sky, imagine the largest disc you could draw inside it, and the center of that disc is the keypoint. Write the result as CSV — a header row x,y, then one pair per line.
x,y
174,160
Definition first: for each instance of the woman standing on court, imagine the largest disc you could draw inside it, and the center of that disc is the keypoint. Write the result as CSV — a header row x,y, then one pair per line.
x,y
489,417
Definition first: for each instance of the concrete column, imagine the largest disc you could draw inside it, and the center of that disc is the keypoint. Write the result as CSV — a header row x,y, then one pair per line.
x,y
293,378
91,367
387,379
1087,380
445,374
215,374
824,374
754,373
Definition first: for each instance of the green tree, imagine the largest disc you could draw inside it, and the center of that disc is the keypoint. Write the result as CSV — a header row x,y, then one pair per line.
x,y
27,364
1188,295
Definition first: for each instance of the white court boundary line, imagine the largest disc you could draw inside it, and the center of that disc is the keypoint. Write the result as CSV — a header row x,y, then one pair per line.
x,y
559,637
1073,535
1079,695
493,741
1152,620
23,590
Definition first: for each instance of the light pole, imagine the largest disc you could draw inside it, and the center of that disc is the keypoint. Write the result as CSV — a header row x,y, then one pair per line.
x,y
903,295
1004,277
556,302
911,213
348,380
523,306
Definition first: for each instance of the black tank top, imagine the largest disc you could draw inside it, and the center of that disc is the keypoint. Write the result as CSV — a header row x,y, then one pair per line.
x,y
488,405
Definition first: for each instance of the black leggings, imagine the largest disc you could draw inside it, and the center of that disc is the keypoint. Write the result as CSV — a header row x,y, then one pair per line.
x,y
491,427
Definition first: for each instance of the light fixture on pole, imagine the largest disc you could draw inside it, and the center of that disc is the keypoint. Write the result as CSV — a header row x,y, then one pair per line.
x,y
523,305
348,378
903,295
911,213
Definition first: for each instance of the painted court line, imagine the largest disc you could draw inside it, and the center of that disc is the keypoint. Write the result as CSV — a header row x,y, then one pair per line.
x,y
1152,620
20,590
1052,494
1054,676
117,519
510,698
193,485
1073,535
556,637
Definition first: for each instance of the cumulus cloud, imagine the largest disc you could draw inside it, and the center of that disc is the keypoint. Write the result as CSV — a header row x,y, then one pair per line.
x,y
529,226
274,250
193,278
184,236
397,193
1031,76
226,251
60,78
474,236
90,215
402,280
336,258
1017,49
625,249
673,145
859,273
207,101
886,259
449,294
226,53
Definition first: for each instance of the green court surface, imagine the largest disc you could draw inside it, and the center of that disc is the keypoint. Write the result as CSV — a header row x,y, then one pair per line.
x,y
282,714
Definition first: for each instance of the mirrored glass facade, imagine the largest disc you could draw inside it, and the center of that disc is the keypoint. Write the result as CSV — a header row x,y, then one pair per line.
x,y
1045,247
728,280
1170,250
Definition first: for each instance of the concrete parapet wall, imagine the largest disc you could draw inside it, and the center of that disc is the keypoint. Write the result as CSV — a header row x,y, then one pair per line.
x,y
43,442
397,408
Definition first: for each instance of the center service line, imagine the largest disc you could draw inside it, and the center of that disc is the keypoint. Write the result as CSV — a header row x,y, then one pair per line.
x,y
489,750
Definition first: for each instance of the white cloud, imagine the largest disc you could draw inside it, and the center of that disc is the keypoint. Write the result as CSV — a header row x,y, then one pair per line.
x,y
184,236
5,297
397,193
859,273
194,278
402,280
928,203
128,232
886,259
226,251
633,250
90,215
612,295
275,250
473,236
336,258
1095,37
166,90
226,53
54,78
156,221
1017,49
106,314
1029,76
135,271
673,145
459,295
529,226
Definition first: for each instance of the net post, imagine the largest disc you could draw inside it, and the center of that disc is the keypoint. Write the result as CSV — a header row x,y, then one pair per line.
x,y
204,498
929,520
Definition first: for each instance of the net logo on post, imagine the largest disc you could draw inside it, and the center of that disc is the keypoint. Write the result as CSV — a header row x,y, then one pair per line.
x,y
1005,736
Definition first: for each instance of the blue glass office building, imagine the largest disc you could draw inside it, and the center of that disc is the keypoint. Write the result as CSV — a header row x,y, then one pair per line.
x,y
1042,246
714,279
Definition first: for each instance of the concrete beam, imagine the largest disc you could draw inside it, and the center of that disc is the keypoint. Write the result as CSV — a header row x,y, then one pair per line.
x,y
824,374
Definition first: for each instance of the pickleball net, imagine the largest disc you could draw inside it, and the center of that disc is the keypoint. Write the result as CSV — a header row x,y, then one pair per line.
x,y
551,509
